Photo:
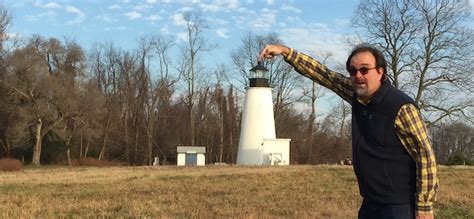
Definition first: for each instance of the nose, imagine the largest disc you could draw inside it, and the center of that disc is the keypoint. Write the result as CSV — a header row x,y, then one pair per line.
x,y
358,74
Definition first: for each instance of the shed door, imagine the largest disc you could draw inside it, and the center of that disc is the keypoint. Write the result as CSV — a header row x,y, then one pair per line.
x,y
191,159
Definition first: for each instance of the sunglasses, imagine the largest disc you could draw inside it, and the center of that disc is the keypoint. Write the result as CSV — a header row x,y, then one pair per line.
x,y
363,70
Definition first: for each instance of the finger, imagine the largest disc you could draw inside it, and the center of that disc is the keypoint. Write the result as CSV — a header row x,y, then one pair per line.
x,y
263,53
269,56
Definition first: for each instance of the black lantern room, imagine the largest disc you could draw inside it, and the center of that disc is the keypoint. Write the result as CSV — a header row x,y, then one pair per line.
x,y
259,76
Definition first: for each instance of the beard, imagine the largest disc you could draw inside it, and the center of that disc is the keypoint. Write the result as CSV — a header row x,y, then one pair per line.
x,y
362,92
361,88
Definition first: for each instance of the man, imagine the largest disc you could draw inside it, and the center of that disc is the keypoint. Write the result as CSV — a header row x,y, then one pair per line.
x,y
392,155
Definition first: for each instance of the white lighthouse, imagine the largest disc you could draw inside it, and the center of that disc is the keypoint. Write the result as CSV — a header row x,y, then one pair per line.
x,y
258,144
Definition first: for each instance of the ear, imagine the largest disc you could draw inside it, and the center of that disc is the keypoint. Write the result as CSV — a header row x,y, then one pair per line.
x,y
381,73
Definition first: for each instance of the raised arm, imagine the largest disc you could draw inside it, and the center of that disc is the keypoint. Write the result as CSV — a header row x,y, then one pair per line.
x,y
312,69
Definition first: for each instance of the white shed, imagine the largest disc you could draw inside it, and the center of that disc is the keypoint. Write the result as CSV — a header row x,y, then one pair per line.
x,y
191,156
276,151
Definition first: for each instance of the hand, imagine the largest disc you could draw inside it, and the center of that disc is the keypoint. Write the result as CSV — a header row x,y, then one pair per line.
x,y
270,51
424,216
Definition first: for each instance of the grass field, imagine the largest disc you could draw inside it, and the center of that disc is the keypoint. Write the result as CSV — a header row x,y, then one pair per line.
x,y
205,192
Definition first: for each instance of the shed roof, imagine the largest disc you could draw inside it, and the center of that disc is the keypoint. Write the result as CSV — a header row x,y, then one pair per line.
x,y
190,149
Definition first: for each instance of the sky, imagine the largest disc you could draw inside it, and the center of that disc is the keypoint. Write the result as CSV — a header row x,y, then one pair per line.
x,y
310,26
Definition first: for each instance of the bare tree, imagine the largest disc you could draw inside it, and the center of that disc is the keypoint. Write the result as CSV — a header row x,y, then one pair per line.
x,y
315,93
453,141
107,69
5,20
148,47
91,101
11,130
40,78
196,44
429,51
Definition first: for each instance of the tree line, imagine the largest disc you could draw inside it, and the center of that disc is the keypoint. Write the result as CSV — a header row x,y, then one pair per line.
x,y
59,102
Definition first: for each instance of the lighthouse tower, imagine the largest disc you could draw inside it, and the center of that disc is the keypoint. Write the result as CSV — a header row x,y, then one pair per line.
x,y
258,144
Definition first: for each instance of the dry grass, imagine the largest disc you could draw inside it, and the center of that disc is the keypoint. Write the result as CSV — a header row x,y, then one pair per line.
x,y
8,164
92,162
204,192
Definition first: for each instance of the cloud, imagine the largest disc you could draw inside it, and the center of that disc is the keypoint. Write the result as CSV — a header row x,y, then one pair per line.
x,y
220,5
267,10
270,2
178,20
142,7
120,28
185,9
50,15
106,18
11,35
182,36
165,30
232,4
80,16
264,21
52,5
217,21
133,15
222,32
293,19
315,39
239,20
114,7
343,22
154,17
151,1
290,8
210,7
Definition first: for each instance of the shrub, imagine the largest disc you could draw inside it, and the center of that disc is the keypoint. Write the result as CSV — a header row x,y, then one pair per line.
x,y
9,164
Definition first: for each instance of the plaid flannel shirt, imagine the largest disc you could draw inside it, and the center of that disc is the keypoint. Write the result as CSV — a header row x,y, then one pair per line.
x,y
409,126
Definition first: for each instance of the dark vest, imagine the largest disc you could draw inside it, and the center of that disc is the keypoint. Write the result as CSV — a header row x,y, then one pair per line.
x,y
385,171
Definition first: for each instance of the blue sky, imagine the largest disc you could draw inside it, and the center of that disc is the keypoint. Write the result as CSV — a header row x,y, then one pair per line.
x,y
310,26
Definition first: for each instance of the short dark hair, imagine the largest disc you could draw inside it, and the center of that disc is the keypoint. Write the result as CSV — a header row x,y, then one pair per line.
x,y
379,58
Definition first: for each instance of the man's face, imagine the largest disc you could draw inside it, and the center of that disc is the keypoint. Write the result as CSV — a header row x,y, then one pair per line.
x,y
365,85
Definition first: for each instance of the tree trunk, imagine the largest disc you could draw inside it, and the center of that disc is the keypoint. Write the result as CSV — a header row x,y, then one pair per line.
x,y
150,151
82,143
222,123
191,120
87,146
68,155
221,143
311,121
37,148
127,144
135,155
6,148
68,145
104,142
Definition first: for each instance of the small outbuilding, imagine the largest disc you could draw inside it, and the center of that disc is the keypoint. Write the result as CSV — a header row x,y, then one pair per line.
x,y
276,151
191,156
